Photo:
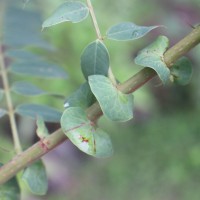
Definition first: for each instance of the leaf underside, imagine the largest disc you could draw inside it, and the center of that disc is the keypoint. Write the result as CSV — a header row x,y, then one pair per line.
x,y
152,56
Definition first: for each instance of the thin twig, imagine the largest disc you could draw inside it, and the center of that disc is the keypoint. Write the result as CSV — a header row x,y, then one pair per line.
x,y
11,114
6,86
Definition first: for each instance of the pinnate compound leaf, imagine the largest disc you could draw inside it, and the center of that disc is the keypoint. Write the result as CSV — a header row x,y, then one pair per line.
x,y
38,68
95,59
128,31
182,71
47,113
114,104
83,97
27,89
35,178
84,134
21,28
73,11
152,56
10,190
41,130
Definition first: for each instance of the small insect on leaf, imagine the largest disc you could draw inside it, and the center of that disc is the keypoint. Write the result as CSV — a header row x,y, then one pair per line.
x,y
152,56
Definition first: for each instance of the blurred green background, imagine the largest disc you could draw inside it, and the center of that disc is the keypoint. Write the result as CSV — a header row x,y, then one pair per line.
x,y
157,154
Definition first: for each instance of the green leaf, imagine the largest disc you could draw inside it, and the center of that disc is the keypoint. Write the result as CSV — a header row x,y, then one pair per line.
x,y
21,28
35,178
182,71
114,104
41,130
38,68
22,55
83,97
3,112
152,56
72,11
128,31
95,59
27,89
33,110
10,190
84,134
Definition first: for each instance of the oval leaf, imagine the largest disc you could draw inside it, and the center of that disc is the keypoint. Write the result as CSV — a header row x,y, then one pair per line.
x,y
35,178
128,31
84,134
182,71
95,59
10,190
114,104
83,97
27,89
38,68
152,56
68,11
47,113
